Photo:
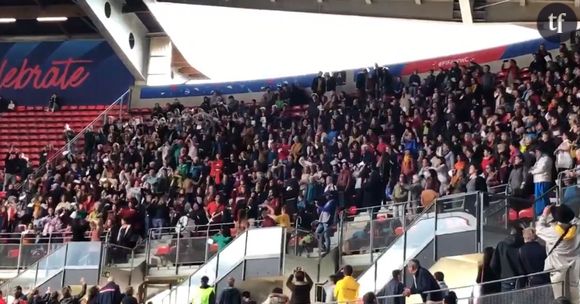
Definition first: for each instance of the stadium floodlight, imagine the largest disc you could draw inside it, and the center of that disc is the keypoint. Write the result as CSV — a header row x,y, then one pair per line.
x,y
319,1
51,19
7,20
369,2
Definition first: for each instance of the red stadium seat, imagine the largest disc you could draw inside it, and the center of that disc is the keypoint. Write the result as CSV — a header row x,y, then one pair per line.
x,y
352,211
13,253
526,214
163,250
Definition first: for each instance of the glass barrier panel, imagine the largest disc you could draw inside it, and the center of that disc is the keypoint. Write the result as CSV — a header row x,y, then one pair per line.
x,y
191,250
51,264
418,235
367,280
356,237
231,255
384,232
173,295
182,291
26,279
209,270
84,254
264,241
301,242
9,254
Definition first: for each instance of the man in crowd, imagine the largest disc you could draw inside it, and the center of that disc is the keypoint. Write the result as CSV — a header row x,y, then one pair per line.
x,y
346,290
506,260
424,284
532,256
300,284
394,287
204,294
230,295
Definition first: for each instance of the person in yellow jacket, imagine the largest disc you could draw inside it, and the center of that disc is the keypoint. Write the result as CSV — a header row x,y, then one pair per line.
x,y
204,294
346,290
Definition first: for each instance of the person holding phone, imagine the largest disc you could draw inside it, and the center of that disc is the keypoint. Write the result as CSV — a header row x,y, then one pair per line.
x,y
300,283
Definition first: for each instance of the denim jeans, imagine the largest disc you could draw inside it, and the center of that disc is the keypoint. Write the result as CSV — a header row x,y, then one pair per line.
x,y
157,223
323,235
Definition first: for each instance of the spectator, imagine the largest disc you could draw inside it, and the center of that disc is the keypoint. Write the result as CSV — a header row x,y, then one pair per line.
x,y
276,297
204,294
451,298
369,298
110,293
562,300
300,285
11,167
423,283
18,295
53,103
506,260
533,255
92,295
346,290
2,301
325,221
542,171
557,228
329,289
128,297
230,295
222,239
394,287
246,297
440,277
67,298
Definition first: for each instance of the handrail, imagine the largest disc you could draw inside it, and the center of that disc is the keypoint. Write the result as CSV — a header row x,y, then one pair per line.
x,y
476,285
425,211
559,179
74,139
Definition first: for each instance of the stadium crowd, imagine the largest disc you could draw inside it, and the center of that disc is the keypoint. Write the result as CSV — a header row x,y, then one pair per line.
x,y
462,128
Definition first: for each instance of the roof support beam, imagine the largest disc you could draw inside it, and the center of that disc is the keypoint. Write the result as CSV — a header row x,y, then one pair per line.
x,y
124,32
35,11
465,8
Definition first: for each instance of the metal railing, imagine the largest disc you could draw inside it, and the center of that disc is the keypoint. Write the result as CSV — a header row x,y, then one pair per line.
x,y
74,255
121,257
168,248
72,145
491,292
252,244
439,219
20,250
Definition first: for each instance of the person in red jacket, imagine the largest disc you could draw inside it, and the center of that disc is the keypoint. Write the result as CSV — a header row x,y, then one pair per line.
x,y
488,159
216,169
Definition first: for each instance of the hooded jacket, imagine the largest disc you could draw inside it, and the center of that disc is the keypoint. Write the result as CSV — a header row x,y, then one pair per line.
x,y
506,258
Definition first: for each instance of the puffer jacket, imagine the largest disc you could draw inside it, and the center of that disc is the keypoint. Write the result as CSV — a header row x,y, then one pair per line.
x,y
542,169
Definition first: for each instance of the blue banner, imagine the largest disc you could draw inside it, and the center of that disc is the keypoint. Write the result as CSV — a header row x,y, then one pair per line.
x,y
81,72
